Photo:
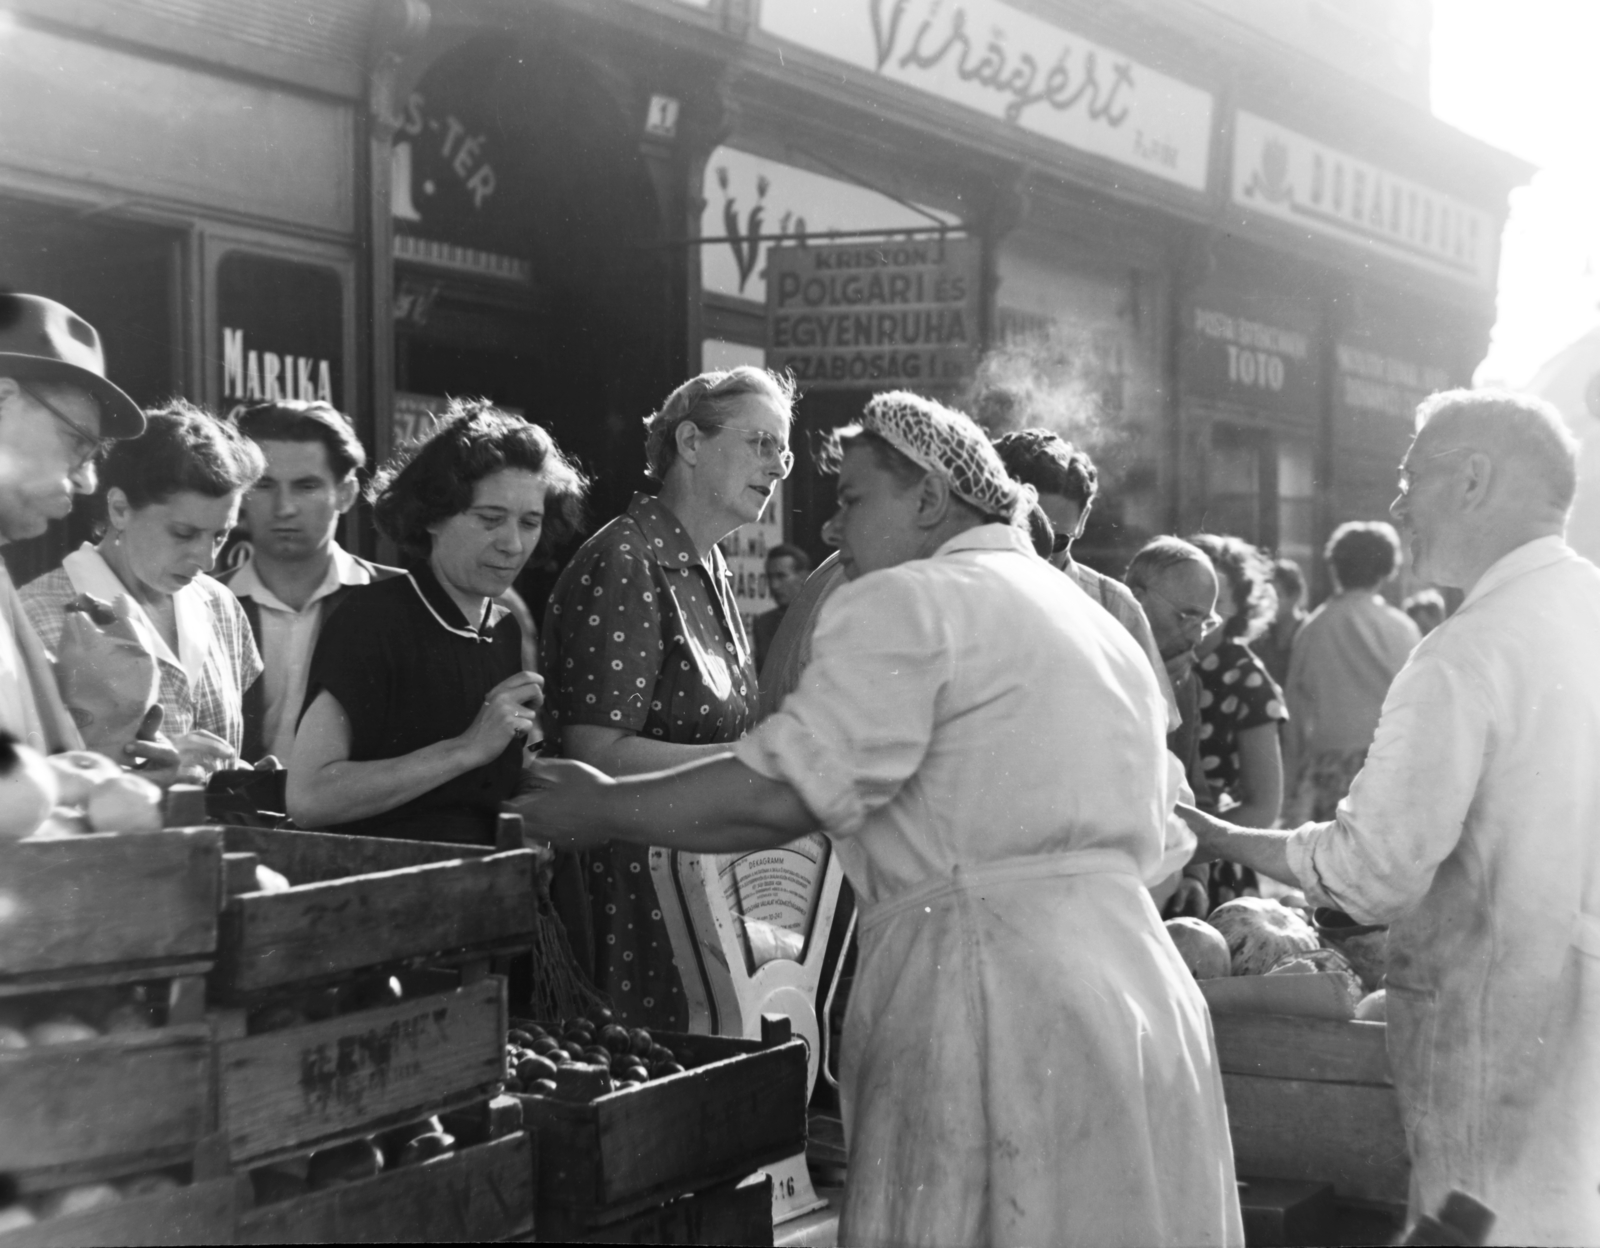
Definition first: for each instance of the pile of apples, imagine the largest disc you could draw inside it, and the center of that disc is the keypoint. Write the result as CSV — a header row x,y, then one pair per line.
x,y
70,794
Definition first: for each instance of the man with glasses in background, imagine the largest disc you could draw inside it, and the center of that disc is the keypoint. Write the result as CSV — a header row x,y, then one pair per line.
x,y
1473,830
57,411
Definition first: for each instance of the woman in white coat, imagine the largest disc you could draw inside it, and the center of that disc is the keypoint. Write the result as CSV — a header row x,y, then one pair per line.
x,y
1026,1059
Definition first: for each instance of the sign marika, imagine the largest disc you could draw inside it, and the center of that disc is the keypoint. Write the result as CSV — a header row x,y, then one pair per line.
x,y
870,314
1003,62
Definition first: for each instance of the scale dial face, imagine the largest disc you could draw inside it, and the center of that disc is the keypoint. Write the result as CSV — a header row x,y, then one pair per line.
x,y
773,893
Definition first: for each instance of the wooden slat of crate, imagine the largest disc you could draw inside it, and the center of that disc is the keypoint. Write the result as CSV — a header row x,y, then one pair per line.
x,y
402,901
1347,1134
1280,1047
316,1084
479,1194
638,1147
142,1093
87,901
202,1213
731,1213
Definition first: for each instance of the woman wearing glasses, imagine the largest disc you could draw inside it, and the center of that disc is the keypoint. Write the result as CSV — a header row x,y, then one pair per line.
x,y
646,656
171,497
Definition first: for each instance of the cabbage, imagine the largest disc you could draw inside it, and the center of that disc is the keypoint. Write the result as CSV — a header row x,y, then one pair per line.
x,y
1201,947
1259,932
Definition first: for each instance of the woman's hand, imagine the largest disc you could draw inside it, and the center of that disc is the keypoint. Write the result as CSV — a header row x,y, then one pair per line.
x,y
188,760
510,709
562,804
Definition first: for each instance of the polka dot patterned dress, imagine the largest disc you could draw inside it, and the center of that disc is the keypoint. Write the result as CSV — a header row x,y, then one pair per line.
x,y
643,636
1236,694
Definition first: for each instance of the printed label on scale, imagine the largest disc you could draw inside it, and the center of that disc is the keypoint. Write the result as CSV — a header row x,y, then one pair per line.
x,y
774,892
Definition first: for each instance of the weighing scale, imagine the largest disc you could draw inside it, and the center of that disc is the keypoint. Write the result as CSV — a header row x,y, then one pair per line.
x,y
751,936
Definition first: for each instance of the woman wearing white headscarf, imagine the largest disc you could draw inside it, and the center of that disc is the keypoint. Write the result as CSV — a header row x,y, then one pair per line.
x,y
1026,1058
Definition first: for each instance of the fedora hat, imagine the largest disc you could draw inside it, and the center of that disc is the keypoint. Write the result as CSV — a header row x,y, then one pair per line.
x,y
42,340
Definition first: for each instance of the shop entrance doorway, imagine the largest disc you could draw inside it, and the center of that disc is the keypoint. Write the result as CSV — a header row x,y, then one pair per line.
x,y
524,211
122,278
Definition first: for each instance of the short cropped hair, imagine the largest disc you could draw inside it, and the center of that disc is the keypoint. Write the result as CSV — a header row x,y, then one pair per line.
x,y
786,550
183,449
1249,579
438,478
1156,556
1050,464
1501,422
707,400
1364,554
1286,574
301,420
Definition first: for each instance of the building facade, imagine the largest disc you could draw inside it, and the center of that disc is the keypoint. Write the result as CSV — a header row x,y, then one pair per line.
x,y
1168,228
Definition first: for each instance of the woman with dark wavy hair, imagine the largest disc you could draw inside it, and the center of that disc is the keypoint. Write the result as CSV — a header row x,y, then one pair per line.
x,y
1241,706
417,704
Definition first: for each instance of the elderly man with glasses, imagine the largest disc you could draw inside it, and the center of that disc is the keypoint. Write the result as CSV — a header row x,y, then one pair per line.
x,y
57,411
1473,829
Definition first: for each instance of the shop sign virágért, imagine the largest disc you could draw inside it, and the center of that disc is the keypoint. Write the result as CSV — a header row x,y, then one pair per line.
x,y
1007,64
874,315
1284,174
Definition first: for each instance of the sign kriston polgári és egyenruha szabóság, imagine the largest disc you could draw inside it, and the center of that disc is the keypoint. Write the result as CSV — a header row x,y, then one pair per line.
x,y
858,315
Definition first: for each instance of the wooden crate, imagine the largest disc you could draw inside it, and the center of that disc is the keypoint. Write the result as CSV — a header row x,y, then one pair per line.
x,y
202,1213
731,1213
741,1107
112,1105
108,908
360,902
288,1091
1313,1099
476,1194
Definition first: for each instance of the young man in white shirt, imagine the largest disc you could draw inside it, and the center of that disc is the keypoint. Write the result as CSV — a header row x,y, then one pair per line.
x,y
297,573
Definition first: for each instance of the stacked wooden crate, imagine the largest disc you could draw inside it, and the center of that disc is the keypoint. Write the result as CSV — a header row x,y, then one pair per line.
x,y
671,1160
355,1002
117,1126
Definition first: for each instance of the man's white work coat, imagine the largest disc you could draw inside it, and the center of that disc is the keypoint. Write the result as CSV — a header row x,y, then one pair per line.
x,y
1474,829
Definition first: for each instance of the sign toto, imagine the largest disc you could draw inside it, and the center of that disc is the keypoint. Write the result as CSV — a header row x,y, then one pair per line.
x,y
862,315
1006,63
1286,175
1238,355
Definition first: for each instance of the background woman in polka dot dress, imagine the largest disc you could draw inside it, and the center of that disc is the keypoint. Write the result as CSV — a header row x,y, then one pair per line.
x,y
646,658
1241,707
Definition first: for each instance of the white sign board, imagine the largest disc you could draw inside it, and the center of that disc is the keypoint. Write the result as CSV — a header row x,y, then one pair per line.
x,y
747,196
1284,174
1007,64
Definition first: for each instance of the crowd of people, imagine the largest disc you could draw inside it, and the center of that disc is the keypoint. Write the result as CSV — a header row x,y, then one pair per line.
x,y
1022,762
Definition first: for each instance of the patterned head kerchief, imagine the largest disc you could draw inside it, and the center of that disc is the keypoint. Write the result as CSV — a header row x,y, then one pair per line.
x,y
951,444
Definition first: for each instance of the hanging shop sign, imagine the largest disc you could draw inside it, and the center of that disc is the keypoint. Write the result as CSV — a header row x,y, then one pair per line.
x,y
747,196
1284,174
282,327
1008,64
899,313
1374,381
1250,358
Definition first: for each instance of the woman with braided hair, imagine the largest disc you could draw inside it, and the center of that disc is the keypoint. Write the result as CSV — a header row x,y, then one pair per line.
x,y
1026,1059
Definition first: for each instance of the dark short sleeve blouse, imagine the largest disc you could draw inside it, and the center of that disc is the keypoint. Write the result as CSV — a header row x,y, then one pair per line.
x,y
1236,694
643,636
408,672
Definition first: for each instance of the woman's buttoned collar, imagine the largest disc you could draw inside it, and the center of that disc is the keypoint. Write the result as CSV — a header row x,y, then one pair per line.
x,y
665,539
446,613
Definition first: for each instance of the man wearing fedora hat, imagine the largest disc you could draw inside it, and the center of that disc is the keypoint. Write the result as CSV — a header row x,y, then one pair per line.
x,y
57,411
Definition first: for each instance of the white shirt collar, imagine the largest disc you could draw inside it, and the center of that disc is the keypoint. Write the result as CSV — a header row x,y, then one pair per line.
x,y
1529,557
343,570
91,574
988,537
